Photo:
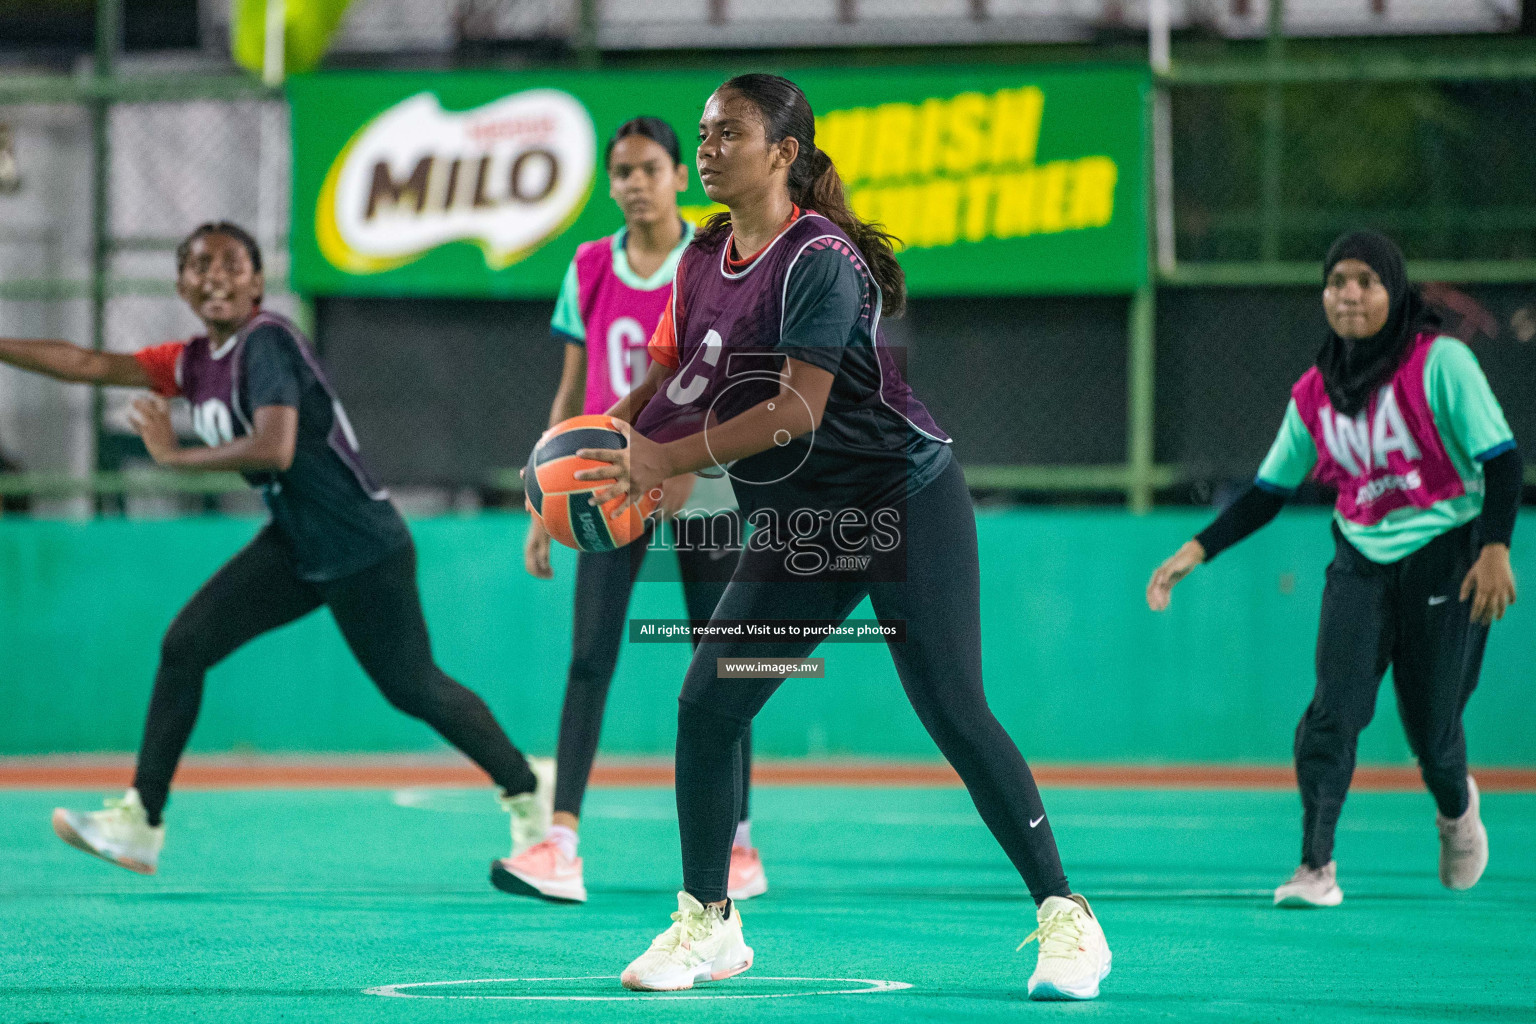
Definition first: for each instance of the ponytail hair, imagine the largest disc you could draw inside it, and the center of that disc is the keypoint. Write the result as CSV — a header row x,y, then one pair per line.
x,y
814,183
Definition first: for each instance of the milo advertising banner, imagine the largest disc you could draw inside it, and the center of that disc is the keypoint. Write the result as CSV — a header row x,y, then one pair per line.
x,y
996,179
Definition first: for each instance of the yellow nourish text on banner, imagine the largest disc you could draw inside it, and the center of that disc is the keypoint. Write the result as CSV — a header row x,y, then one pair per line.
x,y
962,168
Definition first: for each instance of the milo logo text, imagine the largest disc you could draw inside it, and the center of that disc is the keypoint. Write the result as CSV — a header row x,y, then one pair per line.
x,y
508,176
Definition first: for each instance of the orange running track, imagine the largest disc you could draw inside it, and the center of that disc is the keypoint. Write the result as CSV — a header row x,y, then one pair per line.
x,y
386,772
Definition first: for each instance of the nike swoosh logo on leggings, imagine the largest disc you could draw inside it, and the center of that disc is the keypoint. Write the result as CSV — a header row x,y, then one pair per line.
x,y
1037,821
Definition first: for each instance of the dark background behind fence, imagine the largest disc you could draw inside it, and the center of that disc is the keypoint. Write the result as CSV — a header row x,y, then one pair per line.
x,y
445,392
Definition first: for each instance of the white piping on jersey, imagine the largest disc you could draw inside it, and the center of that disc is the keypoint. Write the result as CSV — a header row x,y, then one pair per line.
x,y
226,348
784,292
337,413
731,240
874,333
234,393
874,328
262,318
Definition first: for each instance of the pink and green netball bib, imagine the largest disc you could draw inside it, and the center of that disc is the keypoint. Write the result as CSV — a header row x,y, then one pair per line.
x,y
613,311
1388,456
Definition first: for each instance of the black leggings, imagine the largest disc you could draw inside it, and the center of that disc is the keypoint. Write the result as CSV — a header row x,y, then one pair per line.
x,y
1408,615
603,584
937,593
379,612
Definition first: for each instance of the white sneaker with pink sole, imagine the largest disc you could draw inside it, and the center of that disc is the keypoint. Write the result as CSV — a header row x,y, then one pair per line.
x,y
542,870
747,878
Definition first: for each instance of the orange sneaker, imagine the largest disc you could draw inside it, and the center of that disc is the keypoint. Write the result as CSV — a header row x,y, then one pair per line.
x,y
542,870
747,878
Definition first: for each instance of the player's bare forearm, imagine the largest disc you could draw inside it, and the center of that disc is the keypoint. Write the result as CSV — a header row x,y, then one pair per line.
x,y
738,438
68,362
774,421
573,378
268,448
567,403
242,455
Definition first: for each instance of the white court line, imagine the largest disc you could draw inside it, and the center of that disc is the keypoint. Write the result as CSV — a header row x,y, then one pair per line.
x,y
427,798
456,801
394,991
460,801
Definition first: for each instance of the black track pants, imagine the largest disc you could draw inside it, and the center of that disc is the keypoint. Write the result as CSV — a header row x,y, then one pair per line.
x,y
1407,615
379,612
940,668
604,581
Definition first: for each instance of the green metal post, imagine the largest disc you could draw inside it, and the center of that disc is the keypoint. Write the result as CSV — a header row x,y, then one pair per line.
x,y
1140,376
1140,347
587,54
109,28
1274,136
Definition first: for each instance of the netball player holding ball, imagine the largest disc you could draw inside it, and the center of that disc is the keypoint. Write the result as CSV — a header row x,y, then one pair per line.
x,y
264,408
1401,420
769,360
610,303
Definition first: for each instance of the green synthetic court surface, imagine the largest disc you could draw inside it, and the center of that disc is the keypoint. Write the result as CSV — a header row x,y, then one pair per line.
x,y
289,906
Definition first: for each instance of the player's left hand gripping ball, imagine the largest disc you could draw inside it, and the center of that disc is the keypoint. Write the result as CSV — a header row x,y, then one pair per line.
x,y
589,457
634,472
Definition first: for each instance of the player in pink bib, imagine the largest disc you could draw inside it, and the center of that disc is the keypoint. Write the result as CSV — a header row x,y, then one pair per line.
x,y
613,297
1401,421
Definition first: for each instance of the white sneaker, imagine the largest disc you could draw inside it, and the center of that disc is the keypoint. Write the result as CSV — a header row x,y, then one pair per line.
x,y
531,812
700,946
1463,844
1311,887
542,870
1074,955
121,833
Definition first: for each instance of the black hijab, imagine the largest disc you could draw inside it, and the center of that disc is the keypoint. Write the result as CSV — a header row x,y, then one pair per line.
x,y
1354,369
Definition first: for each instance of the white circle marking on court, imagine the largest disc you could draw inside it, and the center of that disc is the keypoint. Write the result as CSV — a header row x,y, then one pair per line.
x,y
397,991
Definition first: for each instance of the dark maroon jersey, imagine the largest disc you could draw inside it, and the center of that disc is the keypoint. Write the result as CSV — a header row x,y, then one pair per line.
x,y
808,295
336,516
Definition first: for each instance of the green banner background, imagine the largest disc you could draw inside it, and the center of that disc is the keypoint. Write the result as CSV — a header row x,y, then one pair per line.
x,y
1085,114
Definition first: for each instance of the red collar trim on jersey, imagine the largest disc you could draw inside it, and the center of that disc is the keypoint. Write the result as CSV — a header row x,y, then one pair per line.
x,y
736,265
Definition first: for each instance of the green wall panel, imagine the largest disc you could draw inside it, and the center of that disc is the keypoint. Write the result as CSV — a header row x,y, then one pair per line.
x,y
1077,668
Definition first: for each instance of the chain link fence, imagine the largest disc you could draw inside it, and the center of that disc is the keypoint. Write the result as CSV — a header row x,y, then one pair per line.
x,y
45,263
1443,167
169,165
1036,384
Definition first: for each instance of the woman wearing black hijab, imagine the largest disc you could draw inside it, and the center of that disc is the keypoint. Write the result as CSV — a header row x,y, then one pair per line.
x,y
1401,420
